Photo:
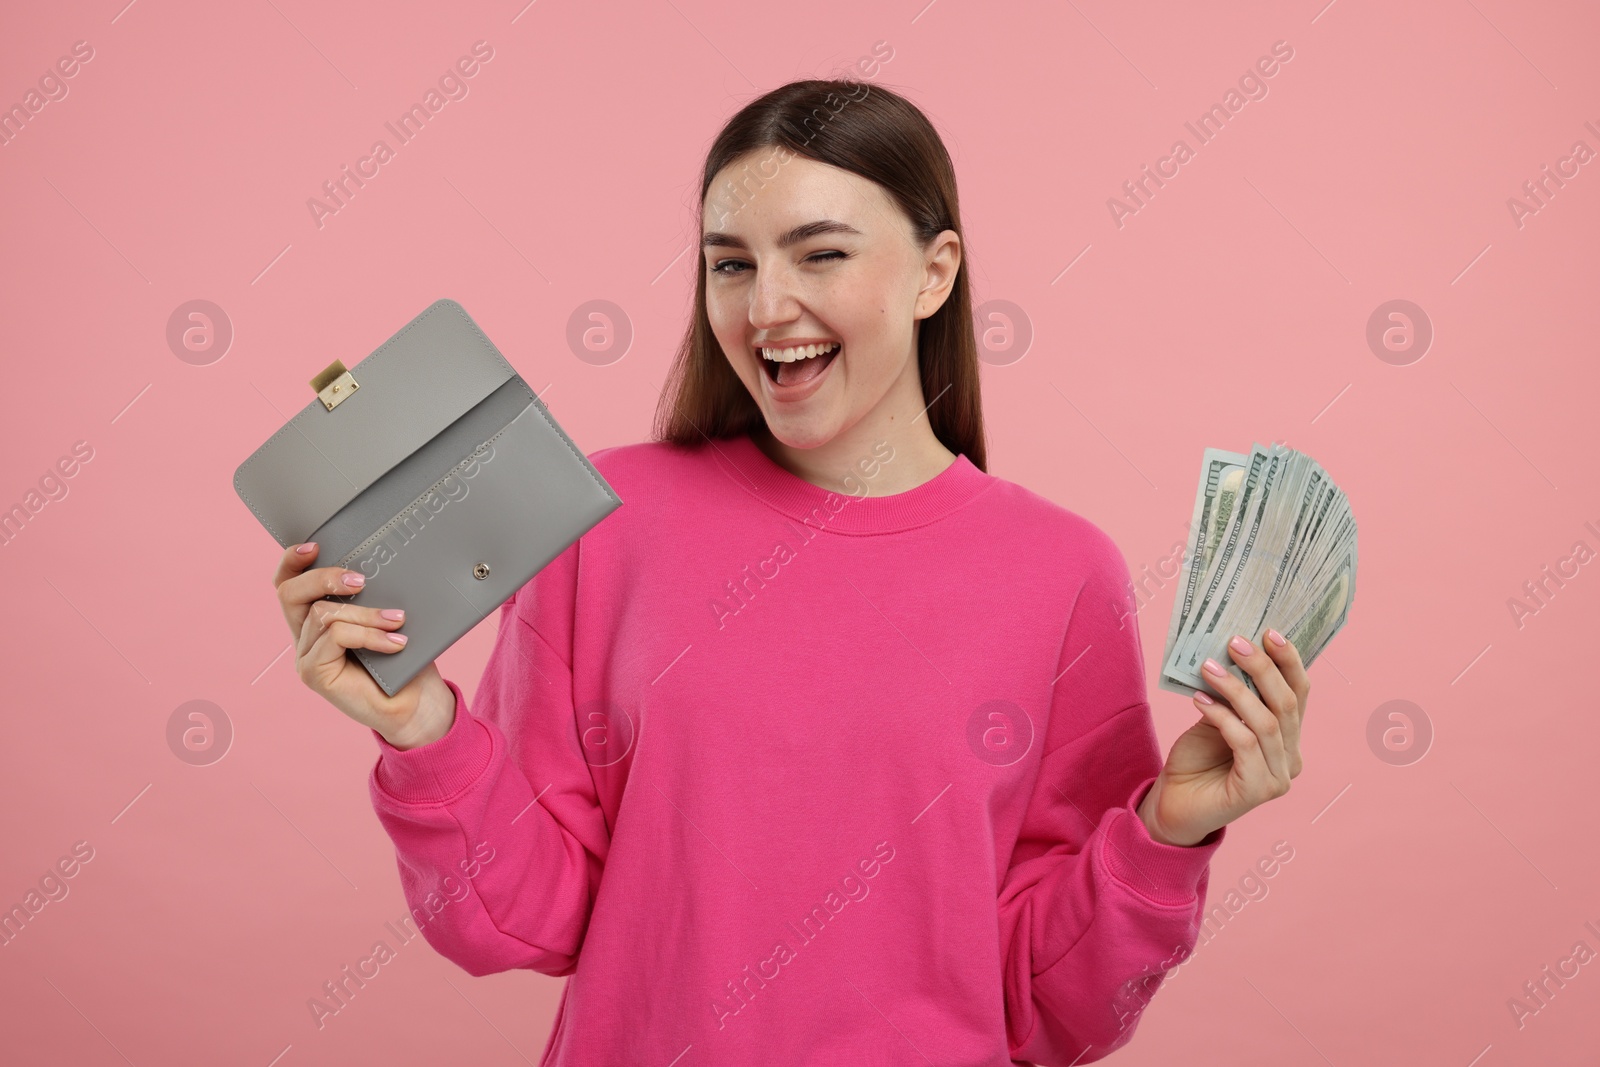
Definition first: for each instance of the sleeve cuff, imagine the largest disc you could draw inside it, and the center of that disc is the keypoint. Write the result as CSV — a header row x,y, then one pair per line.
x,y
440,769
1165,874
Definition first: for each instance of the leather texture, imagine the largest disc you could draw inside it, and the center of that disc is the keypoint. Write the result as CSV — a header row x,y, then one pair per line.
x,y
443,479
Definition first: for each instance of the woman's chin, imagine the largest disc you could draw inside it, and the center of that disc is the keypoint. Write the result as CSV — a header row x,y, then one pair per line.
x,y
801,433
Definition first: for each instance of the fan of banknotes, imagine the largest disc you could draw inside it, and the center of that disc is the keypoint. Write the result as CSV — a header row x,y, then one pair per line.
x,y
1272,544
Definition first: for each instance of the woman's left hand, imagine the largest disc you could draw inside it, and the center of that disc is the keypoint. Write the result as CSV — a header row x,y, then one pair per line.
x,y
1242,754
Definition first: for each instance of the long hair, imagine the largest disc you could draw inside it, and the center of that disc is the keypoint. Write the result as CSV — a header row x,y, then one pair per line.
x,y
881,136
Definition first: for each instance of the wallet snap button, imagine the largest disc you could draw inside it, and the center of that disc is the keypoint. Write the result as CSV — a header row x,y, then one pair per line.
x,y
481,571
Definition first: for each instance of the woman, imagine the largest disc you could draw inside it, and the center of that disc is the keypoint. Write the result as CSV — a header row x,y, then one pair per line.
x,y
829,746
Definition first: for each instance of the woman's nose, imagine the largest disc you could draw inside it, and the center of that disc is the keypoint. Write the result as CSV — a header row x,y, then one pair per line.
x,y
772,298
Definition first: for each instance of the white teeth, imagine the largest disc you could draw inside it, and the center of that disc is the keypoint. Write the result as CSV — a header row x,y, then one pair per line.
x,y
789,355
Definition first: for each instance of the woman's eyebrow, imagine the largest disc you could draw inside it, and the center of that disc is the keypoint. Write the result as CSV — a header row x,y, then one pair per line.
x,y
715,239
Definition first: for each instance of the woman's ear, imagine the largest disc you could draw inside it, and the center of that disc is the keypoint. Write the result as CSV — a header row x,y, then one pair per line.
x,y
940,264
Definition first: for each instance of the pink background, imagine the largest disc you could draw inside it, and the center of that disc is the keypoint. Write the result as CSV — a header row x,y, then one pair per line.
x,y
1231,308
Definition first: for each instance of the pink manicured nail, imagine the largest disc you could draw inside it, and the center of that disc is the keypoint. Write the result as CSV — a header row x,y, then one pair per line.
x,y
354,580
1203,697
1241,646
1276,638
393,614
399,639
1213,667
309,546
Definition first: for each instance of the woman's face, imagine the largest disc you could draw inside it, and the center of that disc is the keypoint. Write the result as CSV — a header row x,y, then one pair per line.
x,y
806,254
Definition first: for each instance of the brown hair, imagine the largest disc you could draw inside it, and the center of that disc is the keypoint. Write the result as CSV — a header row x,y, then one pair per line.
x,y
883,137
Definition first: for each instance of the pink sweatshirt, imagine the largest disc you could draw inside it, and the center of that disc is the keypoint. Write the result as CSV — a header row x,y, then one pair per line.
x,y
780,776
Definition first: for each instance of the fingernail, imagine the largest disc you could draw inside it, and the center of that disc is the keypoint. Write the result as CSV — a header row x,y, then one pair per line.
x,y
393,614
1213,667
1241,646
1276,638
1203,697
399,639
309,546
355,580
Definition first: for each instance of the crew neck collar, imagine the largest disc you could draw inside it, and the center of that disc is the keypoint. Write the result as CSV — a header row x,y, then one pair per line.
x,y
742,460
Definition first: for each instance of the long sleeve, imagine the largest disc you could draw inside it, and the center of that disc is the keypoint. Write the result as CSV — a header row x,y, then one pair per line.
x,y
1092,910
498,834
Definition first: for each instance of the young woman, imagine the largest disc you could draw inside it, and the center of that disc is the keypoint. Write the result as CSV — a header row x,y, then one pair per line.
x,y
828,746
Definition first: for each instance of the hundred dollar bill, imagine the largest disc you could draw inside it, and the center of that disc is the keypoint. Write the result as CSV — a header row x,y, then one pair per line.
x,y
1221,551
1215,543
1200,633
1221,475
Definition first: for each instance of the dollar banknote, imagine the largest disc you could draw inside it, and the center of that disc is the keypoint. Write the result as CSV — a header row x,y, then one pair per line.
x,y
1271,544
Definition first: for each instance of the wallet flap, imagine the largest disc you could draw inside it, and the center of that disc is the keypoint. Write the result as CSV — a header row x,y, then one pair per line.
x,y
433,371
473,538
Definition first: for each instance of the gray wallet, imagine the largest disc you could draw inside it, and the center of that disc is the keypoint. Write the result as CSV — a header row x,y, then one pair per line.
x,y
433,469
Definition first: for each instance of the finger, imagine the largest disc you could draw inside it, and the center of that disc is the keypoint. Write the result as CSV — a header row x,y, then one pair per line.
x,y
295,559
323,613
1255,715
297,593
1275,691
1248,759
293,562
331,644
1287,657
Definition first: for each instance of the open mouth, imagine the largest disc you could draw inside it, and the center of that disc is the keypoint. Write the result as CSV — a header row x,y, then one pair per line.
x,y
798,365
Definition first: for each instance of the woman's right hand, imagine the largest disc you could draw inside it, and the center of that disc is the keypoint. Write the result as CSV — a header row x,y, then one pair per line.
x,y
421,712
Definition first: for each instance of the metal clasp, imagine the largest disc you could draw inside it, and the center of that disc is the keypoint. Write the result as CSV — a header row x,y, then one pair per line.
x,y
334,385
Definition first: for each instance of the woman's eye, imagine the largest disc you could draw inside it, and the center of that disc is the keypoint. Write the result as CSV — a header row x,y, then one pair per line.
x,y
726,266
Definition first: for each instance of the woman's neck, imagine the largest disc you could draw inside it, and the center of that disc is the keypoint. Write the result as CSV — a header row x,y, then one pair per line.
x,y
914,456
